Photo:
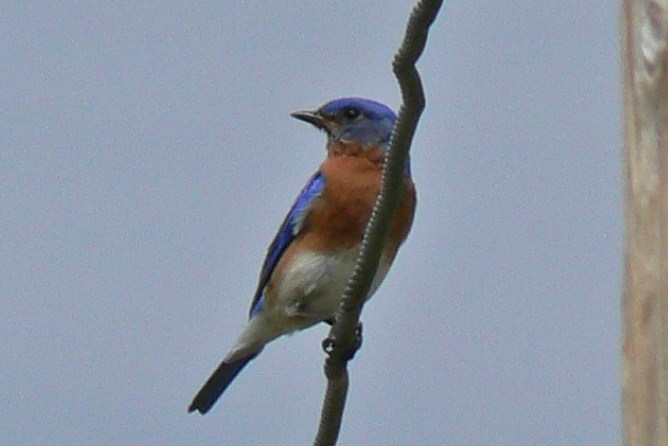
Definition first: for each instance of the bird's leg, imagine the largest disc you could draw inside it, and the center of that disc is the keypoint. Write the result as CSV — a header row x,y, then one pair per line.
x,y
330,343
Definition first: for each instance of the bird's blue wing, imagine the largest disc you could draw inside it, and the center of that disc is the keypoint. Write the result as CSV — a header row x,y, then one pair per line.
x,y
289,229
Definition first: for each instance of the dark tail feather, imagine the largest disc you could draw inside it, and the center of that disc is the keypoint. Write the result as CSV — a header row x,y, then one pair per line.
x,y
217,383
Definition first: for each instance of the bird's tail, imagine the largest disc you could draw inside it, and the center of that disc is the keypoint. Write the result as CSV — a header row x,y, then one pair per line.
x,y
217,383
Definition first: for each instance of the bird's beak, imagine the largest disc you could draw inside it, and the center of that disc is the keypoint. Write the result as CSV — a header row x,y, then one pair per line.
x,y
312,117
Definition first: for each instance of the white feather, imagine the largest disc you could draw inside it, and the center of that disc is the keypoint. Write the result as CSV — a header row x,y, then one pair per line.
x,y
315,281
310,291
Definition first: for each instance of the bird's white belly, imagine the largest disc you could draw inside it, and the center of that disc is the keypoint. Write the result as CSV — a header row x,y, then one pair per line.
x,y
309,291
313,284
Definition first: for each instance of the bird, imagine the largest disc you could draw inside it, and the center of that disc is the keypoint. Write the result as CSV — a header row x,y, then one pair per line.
x,y
312,256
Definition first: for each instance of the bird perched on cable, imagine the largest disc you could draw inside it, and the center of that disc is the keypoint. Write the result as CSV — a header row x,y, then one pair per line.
x,y
312,256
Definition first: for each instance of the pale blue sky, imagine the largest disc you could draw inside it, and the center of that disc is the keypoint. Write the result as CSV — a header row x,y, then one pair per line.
x,y
147,156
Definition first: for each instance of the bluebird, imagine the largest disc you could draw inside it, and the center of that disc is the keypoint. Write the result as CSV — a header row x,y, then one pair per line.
x,y
312,256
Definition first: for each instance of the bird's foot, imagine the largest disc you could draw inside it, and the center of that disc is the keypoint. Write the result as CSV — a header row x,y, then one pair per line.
x,y
330,343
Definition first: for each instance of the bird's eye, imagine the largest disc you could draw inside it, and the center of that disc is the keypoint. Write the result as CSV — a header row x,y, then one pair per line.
x,y
351,113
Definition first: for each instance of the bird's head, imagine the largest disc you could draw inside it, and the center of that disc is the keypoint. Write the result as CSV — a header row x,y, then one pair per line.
x,y
352,121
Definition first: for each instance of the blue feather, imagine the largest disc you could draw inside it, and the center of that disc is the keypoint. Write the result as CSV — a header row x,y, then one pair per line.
x,y
291,226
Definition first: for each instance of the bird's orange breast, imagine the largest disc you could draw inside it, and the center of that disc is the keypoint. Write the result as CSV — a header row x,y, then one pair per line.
x,y
338,218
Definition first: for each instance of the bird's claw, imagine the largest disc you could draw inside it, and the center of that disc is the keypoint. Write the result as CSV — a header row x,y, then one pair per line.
x,y
330,343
